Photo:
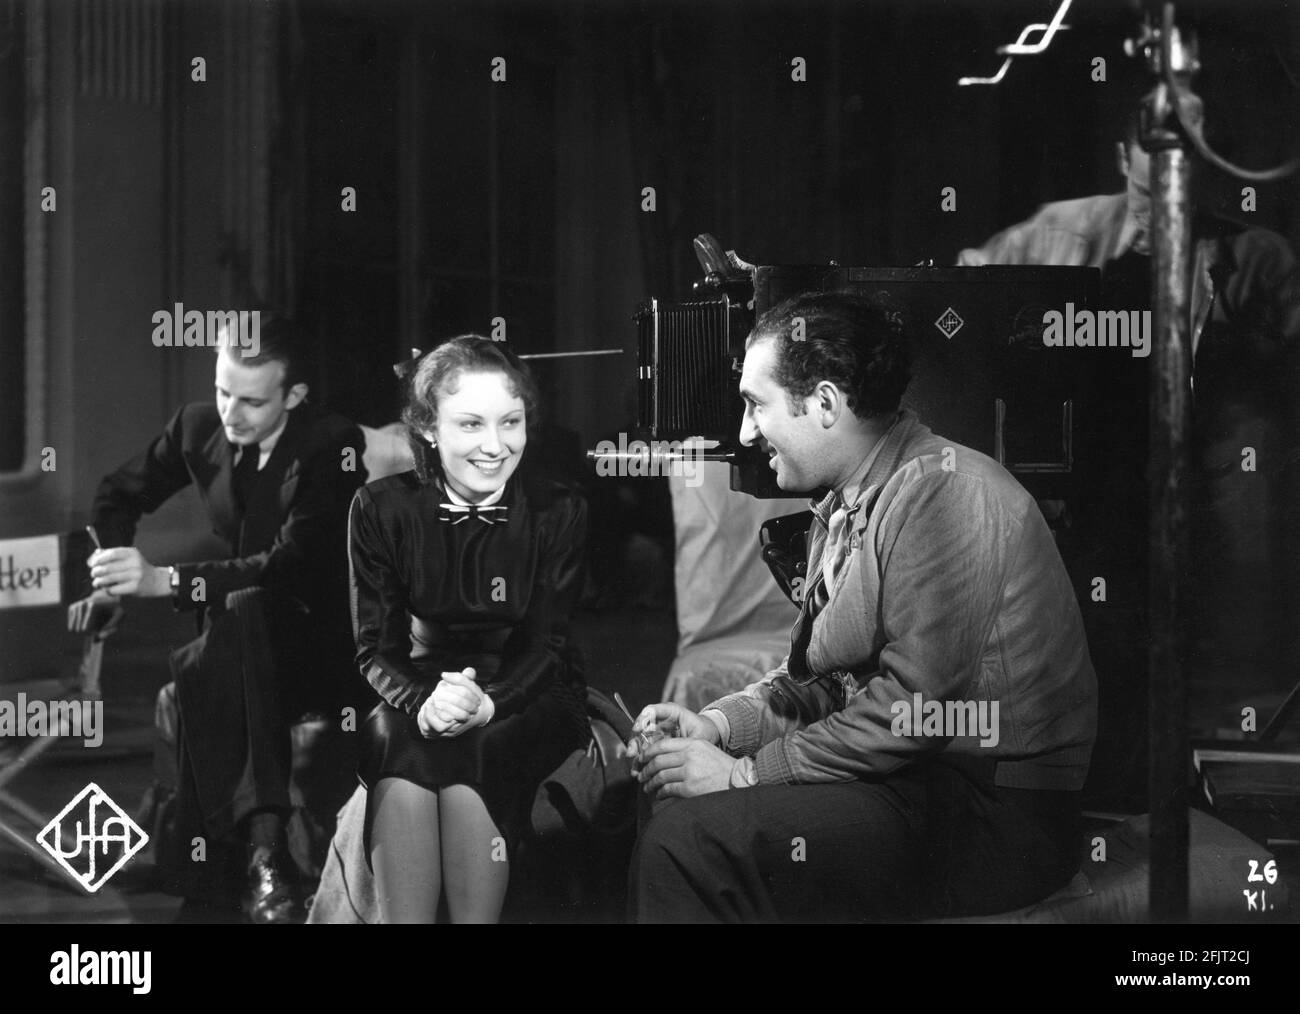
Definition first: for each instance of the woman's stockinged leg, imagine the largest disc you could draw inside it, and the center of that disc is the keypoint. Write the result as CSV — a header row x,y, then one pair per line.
x,y
405,851
475,865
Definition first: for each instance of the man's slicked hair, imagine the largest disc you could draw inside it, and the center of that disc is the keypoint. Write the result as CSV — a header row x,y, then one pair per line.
x,y
282,340
854,343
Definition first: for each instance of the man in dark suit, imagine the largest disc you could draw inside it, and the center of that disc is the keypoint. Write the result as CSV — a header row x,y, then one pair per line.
x,y
276,476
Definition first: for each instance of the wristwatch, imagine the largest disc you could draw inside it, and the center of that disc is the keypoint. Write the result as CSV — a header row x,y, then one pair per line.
x,y
174,580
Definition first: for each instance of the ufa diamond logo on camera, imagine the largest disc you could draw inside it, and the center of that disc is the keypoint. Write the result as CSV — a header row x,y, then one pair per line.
x,y
92,838
949,323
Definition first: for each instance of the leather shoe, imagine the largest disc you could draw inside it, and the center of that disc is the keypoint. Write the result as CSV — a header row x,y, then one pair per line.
x,y
271,896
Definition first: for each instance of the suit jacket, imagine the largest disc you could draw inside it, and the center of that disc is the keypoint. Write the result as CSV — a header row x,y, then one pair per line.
x,y
953,590
291,540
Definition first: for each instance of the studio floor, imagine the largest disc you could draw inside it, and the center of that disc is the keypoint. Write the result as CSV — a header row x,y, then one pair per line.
x,y
629,649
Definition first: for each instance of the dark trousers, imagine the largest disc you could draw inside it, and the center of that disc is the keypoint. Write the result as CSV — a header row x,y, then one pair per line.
x,y
935,839
239,686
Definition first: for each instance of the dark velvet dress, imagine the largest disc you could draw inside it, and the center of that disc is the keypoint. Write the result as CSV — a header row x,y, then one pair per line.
x,y
430,596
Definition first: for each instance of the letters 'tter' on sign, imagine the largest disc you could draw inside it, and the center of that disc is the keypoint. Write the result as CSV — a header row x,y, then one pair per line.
x,y
29,572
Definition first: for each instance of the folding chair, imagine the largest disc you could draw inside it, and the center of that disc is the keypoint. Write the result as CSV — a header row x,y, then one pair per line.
x,y
83,687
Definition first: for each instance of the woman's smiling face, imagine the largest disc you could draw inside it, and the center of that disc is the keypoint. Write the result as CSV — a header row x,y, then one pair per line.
x,y
481,433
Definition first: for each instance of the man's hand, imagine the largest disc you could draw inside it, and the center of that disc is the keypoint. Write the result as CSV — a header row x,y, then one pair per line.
x,y
674,719
124,571
92,612
685,767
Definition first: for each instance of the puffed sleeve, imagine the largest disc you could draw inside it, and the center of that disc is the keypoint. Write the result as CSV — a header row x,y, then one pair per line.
x,y
536,649
381,624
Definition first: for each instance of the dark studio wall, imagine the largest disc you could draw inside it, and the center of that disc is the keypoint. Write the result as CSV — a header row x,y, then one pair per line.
x,y
523,200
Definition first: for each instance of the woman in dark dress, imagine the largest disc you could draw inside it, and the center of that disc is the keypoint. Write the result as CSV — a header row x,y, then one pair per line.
x,y
464,574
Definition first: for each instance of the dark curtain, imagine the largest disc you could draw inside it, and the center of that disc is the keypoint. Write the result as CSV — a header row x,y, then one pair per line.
x,y
13,198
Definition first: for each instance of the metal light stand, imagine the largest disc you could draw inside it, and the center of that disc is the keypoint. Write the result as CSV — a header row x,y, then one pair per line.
x,y
1170,53
1171,122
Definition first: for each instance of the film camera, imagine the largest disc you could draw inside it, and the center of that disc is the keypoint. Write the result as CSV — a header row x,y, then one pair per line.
x,y
981,372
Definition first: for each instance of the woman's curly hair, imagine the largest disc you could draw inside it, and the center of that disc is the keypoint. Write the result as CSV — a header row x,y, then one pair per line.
x,y
856,344
436,372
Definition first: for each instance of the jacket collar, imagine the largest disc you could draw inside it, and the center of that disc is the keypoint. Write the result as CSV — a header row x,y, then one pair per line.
x,y
262,519
887,460
452,496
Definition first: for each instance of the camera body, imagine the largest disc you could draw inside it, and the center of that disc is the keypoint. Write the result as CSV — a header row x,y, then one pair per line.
x,y
982,374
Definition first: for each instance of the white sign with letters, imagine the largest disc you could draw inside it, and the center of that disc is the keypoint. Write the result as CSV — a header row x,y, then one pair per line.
x,y
29,572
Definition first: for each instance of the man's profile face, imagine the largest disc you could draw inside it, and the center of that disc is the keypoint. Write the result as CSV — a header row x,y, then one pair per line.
x,y
792,442
251,400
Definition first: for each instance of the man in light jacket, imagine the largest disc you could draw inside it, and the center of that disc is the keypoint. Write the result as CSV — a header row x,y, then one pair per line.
x,y
921,749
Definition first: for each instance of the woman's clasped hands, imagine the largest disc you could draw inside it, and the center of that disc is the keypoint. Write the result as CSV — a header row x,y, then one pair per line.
x,y
456,705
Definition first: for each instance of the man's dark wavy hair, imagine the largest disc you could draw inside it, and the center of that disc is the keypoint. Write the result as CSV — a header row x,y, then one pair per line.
x,y
856,344
436,372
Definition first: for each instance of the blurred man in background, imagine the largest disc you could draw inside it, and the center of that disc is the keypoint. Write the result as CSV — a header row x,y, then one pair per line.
x,y
1245,332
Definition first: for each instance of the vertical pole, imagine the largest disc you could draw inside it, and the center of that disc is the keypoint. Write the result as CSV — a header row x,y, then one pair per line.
x,y
1170,460
1170,424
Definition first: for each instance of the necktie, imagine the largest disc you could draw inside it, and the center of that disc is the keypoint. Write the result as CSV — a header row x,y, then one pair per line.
x,y
245,475
456,513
